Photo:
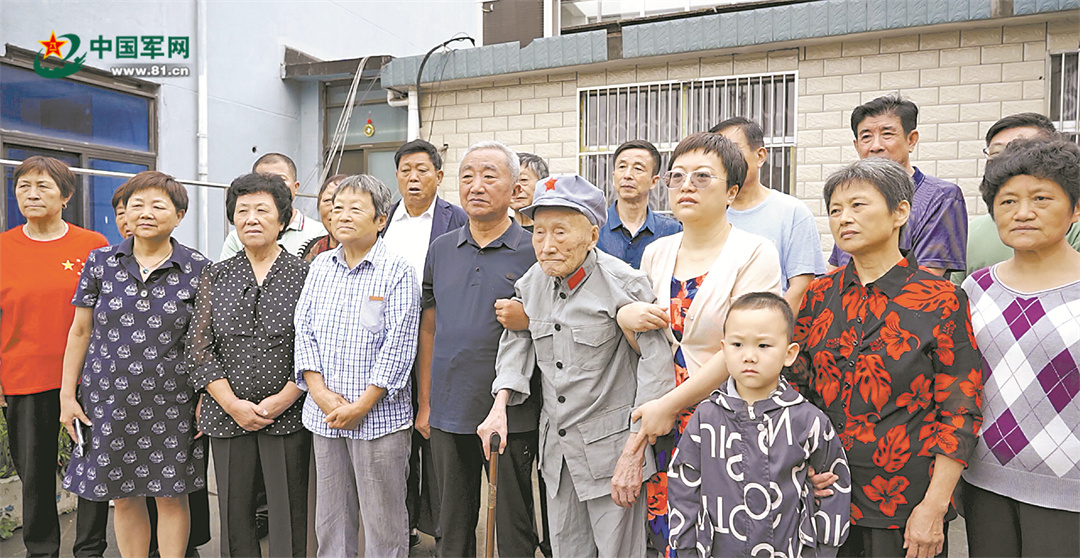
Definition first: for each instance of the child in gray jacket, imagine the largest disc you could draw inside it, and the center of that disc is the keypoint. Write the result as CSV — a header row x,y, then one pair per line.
x,y
738,483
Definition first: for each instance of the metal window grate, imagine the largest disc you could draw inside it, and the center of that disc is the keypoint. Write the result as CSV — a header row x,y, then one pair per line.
x,y
768,100
1065,92
619,114
665,112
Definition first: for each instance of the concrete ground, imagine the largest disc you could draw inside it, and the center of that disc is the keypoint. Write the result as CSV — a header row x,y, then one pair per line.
x,y
13,547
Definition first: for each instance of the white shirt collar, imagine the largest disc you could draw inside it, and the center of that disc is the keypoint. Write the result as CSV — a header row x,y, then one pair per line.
x,y
401,213
297,221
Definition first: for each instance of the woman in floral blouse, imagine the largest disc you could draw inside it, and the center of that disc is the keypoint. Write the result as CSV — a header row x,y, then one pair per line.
x,y
697,274
888,353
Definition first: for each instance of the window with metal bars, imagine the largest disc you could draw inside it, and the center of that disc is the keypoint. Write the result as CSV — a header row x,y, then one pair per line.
x,y
1065,93
665,112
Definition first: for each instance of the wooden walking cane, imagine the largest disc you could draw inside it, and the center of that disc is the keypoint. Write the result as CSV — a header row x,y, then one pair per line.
x,y
493,483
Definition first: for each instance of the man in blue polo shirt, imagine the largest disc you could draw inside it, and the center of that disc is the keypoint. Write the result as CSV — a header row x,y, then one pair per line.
x,y
631,225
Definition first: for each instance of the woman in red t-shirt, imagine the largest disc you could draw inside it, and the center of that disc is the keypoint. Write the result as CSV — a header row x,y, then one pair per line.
x,y
40,264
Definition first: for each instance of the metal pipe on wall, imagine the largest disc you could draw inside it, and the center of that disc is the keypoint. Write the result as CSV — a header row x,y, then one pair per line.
x,y
414,115
203,133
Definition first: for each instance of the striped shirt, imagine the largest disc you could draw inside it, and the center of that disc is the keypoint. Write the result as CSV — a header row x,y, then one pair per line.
x,y
358,327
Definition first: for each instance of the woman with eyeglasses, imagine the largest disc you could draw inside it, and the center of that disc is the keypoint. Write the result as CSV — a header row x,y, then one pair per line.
x,y
696,274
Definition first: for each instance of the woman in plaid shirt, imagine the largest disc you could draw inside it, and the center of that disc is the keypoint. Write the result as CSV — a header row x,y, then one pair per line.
x,y
357,322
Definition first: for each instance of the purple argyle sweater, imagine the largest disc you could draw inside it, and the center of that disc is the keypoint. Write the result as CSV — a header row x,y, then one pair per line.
x,y
1030,445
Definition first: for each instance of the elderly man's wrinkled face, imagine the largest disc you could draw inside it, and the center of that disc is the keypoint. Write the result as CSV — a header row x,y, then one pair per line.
x,y
418,180
485,185
562,237
883,136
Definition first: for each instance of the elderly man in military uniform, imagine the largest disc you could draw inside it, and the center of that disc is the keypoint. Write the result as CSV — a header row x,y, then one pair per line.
x,y
593,374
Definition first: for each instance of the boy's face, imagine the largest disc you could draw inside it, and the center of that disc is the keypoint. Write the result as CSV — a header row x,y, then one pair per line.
x,y
756,348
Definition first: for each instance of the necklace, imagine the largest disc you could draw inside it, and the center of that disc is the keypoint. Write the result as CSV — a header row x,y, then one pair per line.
x,y
147,268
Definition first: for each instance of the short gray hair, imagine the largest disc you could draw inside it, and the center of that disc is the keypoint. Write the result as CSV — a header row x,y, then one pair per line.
x,y
889,177
511,157
380,194
535,163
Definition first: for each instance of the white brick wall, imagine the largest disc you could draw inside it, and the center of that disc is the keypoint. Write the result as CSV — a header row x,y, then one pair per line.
x,y
962,80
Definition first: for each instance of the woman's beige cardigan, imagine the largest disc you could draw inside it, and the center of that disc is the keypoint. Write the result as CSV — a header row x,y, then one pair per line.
x,y
747,263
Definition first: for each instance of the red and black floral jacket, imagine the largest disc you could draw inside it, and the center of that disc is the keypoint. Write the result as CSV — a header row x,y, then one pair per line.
x,y
895,367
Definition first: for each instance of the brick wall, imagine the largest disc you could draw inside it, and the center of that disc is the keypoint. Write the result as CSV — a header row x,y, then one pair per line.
x,y
963,80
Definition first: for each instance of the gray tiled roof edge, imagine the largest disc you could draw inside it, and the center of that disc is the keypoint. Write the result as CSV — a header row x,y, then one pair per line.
x,y
775,24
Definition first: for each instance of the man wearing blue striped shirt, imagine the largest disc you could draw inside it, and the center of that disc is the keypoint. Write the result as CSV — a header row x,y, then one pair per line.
x,y
356,329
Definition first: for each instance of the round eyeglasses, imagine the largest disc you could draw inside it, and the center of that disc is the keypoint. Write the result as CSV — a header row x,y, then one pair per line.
x,y
698,179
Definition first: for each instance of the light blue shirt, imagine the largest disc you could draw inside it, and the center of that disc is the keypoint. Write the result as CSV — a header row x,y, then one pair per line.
x,y
789,224
358,327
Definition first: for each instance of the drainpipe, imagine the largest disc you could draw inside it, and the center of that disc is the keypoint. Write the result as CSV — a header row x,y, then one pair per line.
x,y
414,115
551,18
413,102
203,137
